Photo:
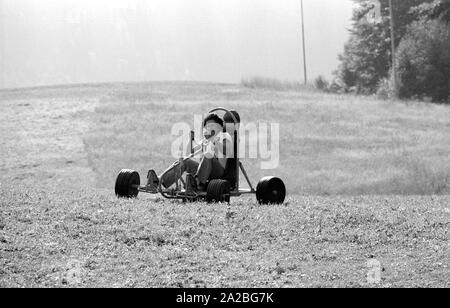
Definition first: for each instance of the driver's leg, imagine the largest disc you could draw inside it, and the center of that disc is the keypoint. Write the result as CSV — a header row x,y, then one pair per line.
x,y
209,169
174,172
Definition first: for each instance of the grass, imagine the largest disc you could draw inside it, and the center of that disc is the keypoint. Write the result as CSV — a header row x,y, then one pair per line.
x,y
367,180
330,144
93,239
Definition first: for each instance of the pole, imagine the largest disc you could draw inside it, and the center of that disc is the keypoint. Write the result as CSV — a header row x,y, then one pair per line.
x,y
304,44
394,68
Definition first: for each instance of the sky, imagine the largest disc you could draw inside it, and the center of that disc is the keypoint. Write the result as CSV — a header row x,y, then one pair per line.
x,y
46,42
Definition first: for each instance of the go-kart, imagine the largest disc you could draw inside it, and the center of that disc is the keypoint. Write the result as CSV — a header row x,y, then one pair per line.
x,y
270,190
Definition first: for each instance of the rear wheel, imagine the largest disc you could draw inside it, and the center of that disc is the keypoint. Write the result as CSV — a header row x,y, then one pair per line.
x,y
271,190
127,184
218,191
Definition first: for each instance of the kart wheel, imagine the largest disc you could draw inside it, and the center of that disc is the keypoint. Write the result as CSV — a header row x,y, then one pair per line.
x,y
218,191
126,184
270,190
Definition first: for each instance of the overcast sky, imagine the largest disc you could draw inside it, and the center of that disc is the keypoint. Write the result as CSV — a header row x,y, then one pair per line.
x,y
46,42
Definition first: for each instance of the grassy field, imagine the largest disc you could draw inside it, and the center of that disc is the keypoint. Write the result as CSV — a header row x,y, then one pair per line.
x,y
367,179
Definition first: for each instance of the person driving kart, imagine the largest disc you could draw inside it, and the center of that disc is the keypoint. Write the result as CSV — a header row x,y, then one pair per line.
x,y
212,163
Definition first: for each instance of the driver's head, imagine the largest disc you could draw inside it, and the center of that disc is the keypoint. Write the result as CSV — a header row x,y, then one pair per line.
x,y
212,125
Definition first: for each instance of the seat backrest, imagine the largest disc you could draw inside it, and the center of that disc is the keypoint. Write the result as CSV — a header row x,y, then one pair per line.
x,y
231,172
231,126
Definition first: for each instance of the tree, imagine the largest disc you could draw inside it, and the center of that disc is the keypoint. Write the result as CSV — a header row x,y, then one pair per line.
x,y
423,61
366,60
438,9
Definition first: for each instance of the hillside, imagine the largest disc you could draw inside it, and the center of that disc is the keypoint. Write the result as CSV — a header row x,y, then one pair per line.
x,y
367,180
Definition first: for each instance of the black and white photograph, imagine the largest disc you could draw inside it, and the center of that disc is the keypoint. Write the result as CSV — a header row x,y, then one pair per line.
x,y
239,147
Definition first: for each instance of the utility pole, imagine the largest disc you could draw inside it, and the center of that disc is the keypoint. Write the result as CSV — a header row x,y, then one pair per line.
x,y
304,44
394,68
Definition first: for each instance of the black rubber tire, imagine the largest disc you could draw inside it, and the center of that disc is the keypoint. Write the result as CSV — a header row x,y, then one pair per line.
x,y
218,191
271,190
125,182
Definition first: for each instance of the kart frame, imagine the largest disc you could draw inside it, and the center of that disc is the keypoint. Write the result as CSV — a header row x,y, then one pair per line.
x,y
181,194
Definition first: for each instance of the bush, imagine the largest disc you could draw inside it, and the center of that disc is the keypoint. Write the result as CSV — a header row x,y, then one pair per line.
x,y
321,84
385,89
423,61
272,84
337,87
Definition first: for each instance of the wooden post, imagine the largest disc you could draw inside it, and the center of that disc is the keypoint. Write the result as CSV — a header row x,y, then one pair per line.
x,y
394,68
304,44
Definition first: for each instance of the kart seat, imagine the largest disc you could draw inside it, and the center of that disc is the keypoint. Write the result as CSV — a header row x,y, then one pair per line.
x,y
232,127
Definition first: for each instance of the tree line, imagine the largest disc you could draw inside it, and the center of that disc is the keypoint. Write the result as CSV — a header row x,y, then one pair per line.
x,y
422,44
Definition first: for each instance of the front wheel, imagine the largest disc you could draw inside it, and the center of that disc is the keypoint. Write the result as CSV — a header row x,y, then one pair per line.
x,y
127,184
271,190
218,191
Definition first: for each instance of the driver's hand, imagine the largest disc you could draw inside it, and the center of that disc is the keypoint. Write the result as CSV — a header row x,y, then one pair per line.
x,y
208,134
209,150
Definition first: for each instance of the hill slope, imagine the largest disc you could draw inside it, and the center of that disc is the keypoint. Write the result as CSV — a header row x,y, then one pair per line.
x,y
61,147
